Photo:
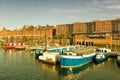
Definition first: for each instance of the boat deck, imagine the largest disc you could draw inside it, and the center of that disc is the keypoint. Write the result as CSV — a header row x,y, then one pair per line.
x,y
83,50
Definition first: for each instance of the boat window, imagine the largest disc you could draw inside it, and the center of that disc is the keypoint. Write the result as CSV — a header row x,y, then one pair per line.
x,y
71,48
39,50
64,49
65,53
97,50
105,51
54,50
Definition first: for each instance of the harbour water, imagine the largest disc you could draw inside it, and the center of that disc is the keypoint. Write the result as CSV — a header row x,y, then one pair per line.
x,y
22,65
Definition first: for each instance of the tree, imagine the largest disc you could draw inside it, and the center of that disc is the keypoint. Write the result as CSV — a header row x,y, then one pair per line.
x,y
69,36
60,37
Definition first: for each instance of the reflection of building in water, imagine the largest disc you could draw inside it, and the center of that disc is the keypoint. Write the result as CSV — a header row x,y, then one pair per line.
x,y
9,50
69,74
13,54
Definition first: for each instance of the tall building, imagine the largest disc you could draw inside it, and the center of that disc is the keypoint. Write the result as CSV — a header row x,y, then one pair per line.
x,y
98,31
116,29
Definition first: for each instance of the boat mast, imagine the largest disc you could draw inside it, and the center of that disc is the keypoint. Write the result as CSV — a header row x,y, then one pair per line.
x,y
45,39
115,35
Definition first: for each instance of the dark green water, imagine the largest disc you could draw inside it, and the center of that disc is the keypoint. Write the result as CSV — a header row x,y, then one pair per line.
x,y
21,65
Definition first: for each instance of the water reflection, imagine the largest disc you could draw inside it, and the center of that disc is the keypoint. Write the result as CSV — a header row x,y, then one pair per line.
x,y
48,71
22,65
69,74
9,50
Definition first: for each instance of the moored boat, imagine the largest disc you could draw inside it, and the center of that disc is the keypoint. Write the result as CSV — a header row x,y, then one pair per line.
x,y
53,55
103,50
19,46
101,54
9,45
38,52
14,45
77,57
101,57
50,56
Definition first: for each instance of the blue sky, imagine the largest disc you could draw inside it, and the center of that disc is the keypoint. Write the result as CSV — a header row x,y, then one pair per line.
x,y
17,13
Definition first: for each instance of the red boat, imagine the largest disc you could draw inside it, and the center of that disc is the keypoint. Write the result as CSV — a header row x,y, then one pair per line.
x,y
13,45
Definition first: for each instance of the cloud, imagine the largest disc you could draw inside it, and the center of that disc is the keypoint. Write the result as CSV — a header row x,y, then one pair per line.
x,y
110,1
105,4
113,7
57,10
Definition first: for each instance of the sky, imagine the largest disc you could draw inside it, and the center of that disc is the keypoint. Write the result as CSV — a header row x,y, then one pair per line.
x,y
17,13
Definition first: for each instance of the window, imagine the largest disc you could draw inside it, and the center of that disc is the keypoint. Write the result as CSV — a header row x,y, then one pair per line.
x,y
103,26
78,28
119,27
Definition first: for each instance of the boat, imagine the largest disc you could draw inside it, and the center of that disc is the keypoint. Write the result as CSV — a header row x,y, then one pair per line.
x,y
50,56
19,46
53,55
107,50
14,45
38,52
101,56
9,45
77,57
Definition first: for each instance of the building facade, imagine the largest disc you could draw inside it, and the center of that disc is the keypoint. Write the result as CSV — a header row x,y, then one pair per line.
x,y
28,33
97,31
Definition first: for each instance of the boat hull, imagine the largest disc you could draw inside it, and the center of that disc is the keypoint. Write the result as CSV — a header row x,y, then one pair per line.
x,y
52,58
118,62
98,60
38,52
75,61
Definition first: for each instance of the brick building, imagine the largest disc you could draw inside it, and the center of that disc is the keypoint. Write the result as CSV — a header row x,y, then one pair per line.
x,y
97,31
28,32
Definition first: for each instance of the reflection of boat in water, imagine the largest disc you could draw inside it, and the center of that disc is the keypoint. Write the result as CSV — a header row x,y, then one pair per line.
x,y
19,48
77,57
10,50
46,68
71,74
118,60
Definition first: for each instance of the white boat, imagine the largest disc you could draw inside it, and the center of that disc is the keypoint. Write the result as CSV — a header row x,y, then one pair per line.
x,y
53,55
101,54
103,50
100,57
48,57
